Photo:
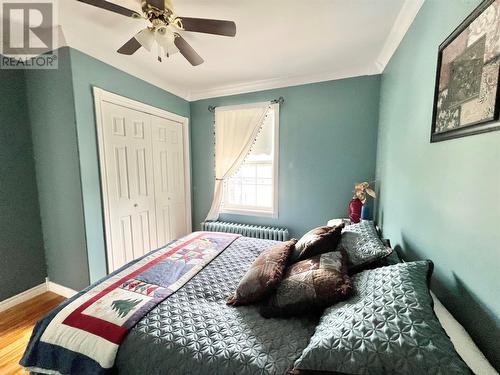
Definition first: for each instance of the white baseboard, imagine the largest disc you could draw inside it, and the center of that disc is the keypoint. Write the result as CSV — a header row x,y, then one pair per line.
x,y
60,289
47,286
22,297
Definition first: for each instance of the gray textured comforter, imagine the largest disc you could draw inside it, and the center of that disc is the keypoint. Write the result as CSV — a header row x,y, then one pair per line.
x,y
195,332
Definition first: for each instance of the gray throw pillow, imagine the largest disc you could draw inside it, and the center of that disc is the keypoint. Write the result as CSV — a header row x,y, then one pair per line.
x,y
387,327
317,241
363,245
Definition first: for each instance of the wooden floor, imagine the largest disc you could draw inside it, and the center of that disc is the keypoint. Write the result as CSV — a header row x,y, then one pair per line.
x,y
16,325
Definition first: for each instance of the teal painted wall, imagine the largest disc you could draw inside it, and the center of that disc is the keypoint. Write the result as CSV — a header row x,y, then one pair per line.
x,y
86,73
440,201
328,142
21,242
53,126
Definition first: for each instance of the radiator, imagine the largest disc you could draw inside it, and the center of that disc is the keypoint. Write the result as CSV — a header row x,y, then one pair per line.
x,y
255,231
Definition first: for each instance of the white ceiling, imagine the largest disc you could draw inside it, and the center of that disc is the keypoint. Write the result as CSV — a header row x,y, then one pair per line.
x,y
278,42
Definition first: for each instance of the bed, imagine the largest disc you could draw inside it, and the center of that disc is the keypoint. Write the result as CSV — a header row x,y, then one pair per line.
x,y
194,331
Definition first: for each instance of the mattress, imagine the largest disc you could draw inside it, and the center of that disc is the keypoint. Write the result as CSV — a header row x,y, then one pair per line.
x,y
195,332
463,343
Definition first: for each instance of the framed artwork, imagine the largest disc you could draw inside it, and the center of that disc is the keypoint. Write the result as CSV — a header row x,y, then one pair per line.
x,y
466,97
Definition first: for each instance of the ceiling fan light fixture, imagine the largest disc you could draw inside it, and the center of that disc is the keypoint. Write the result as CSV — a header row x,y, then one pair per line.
x,y
146,38
172,50
166,39
164,22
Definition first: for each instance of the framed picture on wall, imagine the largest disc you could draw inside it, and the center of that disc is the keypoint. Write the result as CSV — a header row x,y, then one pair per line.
x,y
466,98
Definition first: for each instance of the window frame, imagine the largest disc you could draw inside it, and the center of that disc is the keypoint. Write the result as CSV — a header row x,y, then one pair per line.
x,y
255,211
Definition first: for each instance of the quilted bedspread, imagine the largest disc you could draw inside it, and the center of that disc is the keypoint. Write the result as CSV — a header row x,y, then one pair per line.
x,y
195,332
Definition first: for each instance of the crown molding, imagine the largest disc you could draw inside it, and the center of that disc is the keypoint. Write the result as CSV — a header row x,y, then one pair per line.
x,y
60,41
403,21
275,83
399,28
125,66
137,72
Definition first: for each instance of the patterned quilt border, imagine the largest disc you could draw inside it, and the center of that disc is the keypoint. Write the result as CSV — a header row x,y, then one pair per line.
x,y
84,334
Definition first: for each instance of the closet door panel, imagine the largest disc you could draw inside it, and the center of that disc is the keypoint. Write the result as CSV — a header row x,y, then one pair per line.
x,y
168,156
130,184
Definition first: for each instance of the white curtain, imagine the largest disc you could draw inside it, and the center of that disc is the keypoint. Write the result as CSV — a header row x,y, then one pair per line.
x,y
236,128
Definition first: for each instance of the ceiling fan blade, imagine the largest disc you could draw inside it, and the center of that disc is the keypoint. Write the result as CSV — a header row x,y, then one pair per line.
x,y
208,26
103,4
130,47
159,4
187,51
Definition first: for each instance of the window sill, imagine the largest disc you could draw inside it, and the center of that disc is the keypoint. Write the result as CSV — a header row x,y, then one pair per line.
x,y
245,212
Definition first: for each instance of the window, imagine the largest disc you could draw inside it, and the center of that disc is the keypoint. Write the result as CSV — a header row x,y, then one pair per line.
x,y
253,190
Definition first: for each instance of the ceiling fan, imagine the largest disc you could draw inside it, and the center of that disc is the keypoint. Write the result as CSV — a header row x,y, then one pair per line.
x,y
165,27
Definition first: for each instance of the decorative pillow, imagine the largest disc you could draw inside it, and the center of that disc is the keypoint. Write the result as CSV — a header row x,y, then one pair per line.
x,y
317,241
387,327
264,274
310,285
363,245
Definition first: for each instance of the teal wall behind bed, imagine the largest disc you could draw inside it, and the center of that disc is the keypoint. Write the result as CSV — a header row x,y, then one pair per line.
x,y
328,136
440,201
86,73
22,262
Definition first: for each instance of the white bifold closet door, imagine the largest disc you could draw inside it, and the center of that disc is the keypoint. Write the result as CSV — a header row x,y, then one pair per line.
x,y
168,156
144,159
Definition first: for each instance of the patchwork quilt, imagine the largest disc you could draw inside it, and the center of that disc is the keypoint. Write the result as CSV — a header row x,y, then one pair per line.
x,y
85,335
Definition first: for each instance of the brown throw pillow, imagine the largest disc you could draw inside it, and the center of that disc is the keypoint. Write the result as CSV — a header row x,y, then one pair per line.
x,y
317,241
264,274
311,285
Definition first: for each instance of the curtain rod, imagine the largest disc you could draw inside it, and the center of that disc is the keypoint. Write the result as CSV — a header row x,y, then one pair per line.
x,y
280,100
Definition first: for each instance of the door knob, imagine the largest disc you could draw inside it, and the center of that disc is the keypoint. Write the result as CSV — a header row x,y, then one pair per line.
x,y
135,205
